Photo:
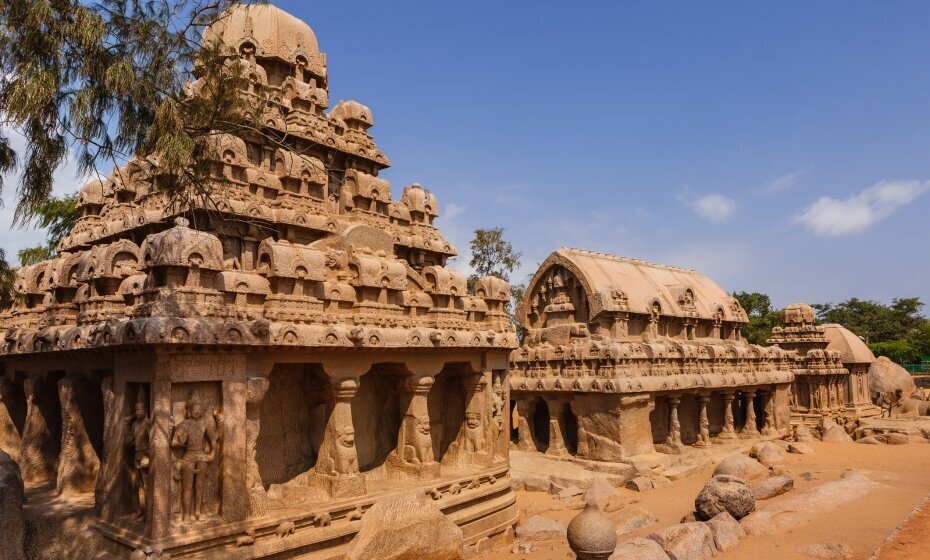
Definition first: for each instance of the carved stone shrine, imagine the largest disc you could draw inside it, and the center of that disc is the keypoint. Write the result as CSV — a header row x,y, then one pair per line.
x,y
244,379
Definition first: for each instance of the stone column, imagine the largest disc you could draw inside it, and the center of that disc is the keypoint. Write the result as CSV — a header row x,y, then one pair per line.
x,y
107,491
414,451
78,463
729,430
524,430
257,388
161,469
39,456
674,426
10,440
703,439
556,430
768,429
750,429
337,468
478,437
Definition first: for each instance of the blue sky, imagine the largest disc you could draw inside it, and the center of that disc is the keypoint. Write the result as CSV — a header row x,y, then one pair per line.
x,y
776,147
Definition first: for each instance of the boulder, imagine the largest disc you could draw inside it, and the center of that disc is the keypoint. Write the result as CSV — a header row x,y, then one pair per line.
x,y
895,438
600,490
771,487
741,466
539,528
569,493
885,376
870,440
767,453
726,530
646,483
828,551
802,433
406,526
800,448
724,493
632,518
686,541
639,549
836,434
12,518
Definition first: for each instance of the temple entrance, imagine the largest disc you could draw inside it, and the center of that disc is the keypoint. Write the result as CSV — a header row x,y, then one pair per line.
x,y
293,416
541,424
570,429
446,405
514,423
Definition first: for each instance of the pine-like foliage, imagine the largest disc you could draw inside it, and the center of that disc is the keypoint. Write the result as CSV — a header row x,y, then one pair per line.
x,y
109,80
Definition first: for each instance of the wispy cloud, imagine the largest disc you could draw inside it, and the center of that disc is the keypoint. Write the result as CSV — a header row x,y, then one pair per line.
x,y
714,207
836,217
452,210
783,183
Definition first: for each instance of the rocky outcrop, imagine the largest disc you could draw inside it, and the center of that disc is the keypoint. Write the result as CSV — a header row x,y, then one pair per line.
x,y
639,549
406,526
726,530
12,519
724,493
771,487
885,376
741,466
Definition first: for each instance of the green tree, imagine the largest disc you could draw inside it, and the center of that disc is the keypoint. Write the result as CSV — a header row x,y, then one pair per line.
x,y
58,215
109,81
762,318
7,278
492,255
898,330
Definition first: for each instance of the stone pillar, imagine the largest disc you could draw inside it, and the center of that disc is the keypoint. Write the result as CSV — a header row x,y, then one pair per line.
x,y
78,463
480,432
729,430
750,429
703,439
257,388
674,426
233,464
161,469
337,467
39,456
556,429
10,440
414,453
768,429
106,499
524,427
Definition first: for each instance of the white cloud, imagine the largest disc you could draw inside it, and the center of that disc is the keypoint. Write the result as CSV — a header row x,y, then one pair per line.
x,y
783,183
833,217
452,210
714,207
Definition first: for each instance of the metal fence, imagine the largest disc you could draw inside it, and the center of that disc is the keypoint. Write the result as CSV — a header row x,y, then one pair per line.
x,y
917,368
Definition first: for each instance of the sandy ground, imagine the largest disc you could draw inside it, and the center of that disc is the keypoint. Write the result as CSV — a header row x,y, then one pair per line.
x,y
902,471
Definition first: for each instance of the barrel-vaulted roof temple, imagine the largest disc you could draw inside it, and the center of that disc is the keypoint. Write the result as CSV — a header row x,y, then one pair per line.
x,y
273,364
249,377
624,358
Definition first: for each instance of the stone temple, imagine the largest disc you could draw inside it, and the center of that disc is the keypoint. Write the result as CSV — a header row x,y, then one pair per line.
x,y
246,378
624,358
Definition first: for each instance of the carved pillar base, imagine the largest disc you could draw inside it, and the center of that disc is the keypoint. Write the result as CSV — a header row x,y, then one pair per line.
x,y
524,431
729,430
673,439
556,446
703,439
337,468
750,429
414,454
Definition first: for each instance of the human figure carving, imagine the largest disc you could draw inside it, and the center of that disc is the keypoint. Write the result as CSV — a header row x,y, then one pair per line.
x,y
197,437
345,459
138,438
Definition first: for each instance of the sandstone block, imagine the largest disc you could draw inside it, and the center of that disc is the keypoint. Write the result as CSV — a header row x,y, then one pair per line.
x,y
539,528
800,448
768,453
771,487
633,518
406,526
600,490
639,549
725,493
686,541
726,530
836,434
741,466
828,551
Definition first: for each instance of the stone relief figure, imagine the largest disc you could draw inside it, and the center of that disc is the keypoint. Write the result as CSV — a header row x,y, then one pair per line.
x,y
345,459
474,436
137,438
197,437
497,414
418,448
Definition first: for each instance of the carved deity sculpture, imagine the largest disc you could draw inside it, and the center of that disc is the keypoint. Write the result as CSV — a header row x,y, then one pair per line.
x,y
137,438
497,413
474,435
197,437
418,448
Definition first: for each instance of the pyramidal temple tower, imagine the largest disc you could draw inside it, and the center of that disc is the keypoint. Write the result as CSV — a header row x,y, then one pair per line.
x,y
265,366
